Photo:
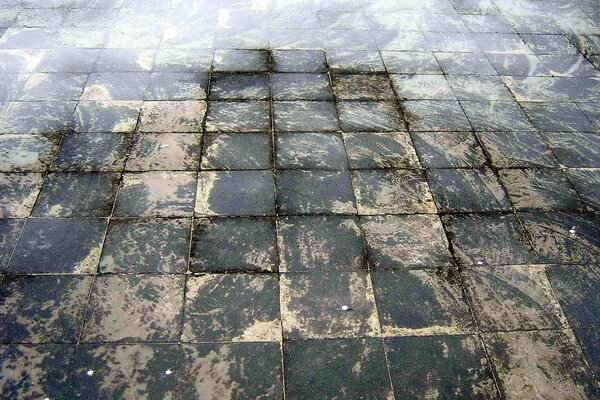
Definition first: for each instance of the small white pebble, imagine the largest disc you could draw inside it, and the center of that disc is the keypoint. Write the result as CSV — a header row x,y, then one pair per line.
x,y
344,308
572,231
479,262
168,372
90,372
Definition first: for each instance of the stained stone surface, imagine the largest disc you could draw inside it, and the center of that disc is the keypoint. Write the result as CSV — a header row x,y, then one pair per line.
x,y
299,199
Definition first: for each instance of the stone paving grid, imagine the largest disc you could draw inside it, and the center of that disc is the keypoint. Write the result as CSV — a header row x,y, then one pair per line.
x,y
400,200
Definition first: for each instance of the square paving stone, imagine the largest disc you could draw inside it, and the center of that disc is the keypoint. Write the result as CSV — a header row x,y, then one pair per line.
x,y
234,244
328,369
299,61
77,195
239,87
405,241
87,152
229,116
563,237
549,44
301,87
587,340
312,305
156,194
380,150
448,150
410,62
314,192
352,61
18,193
575,149
319,243
164,152
241,60
577,289
172,116
479,88
134,308
362,87
36,116
391,192
33,372
563,117
545,189
53,86
467,190
433,115
146,246
517,149
229,151
436,304
27,153
587,185
38,309
10,230
49,245
235,193
177,86
305,116
490,239
422,87
310,151
232,308
547,364
504,116
105,116
446,366
371,116
115,86
465,64
511,298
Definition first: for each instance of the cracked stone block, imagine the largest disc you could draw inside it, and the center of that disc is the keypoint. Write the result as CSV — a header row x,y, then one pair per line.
x,y
310,151
233,151
10,230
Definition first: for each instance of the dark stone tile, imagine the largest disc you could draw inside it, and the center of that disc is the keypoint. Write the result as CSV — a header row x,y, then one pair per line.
x,y
18,193
310,151
448,150
445,366
27,153
125,60
503,116
10,230
436,304
91,152
36,116
105,116
587,340
295,86
540,363
326,369
456,190
236,151
183,60
490,239
53,86
38,309
569,65
518,65
299,61
370,116
254,193
134,308
465,64
177,86
234,244
564,117
115,86
228,116
422,87
156,194
362,87
517,149
77,195
488,23
241,60
146,246
164,152
562,237
305,116
545,189
511,298
479,88
405,241
172,116
391,192
239,87
352,61
316,305
504,43
380,150
432,115
402,41
320,243
577,289
11,86
549,44
587,185
232,308
575,149
410,62
459,42
314,192
67,59
50,245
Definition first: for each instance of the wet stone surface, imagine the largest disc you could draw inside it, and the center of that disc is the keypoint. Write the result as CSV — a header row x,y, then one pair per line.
x,y
299,199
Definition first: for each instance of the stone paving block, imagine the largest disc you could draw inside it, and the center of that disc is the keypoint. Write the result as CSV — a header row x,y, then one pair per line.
x,y
575,149
295,86
478,88
366,150
172,116
146,246
406,62
234,244
134,308
422,87
312,305
312,61
432,115
91,152
10,230
177,86
232,151
27,153
362,87
105,116
559,117
53,86
587,339
325,368
347,61
40,309
305,116
517,149
449,150
125,60
319,243
241,60
465,63
587,185
229,116
239,87
445,365
115,86
59,245
370,116
164,152
496,116
232,308
310,151
36,116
